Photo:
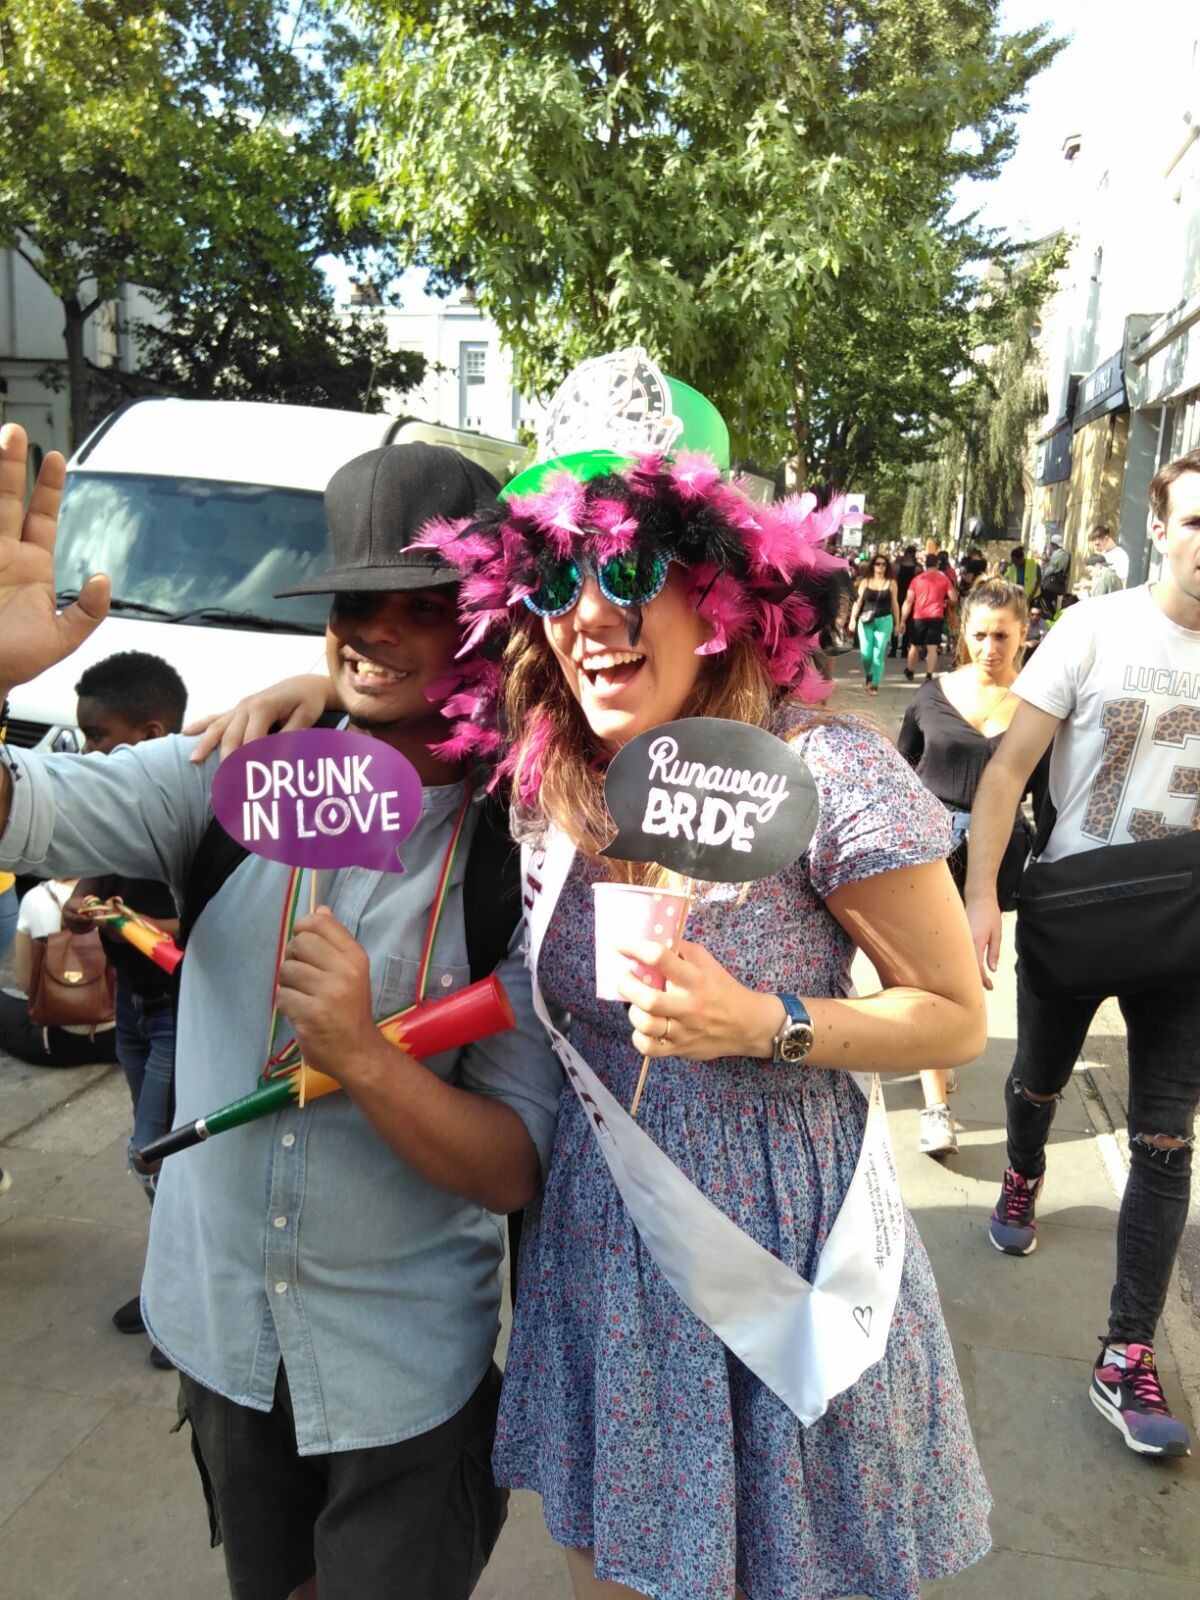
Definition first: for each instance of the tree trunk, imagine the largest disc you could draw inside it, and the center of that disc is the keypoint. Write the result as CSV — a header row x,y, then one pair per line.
x,y
219,353
75,320
795,468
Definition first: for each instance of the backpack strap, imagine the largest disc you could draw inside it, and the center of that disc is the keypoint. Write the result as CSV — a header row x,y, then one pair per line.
x,y
217,858
491,888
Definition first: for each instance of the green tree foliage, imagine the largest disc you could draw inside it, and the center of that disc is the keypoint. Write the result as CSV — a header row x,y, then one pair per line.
x,y
987,442
760,191
191,147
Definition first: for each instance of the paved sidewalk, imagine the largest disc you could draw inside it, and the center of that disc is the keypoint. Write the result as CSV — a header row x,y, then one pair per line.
x,y
97,1496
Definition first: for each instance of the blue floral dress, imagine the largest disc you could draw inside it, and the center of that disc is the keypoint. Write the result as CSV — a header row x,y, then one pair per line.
x,y
646,1439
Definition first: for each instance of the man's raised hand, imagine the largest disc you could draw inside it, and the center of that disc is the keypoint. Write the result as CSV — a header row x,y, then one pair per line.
x,y
34,635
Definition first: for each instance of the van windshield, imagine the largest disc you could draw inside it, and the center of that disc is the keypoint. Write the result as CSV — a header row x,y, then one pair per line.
x,y
190,545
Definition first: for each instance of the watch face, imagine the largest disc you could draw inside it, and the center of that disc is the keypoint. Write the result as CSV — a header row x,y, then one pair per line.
x,y
796,1042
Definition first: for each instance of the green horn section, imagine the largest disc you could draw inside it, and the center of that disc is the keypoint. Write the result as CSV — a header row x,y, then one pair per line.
x,y
260,1102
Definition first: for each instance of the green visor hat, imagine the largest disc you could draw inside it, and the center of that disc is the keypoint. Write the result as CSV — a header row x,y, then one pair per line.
x,y
612,409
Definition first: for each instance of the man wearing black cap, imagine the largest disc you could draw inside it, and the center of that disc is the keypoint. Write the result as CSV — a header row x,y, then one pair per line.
x,y
327,1281
393,621
1101,578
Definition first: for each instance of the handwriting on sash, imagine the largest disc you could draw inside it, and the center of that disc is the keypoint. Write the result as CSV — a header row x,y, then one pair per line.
x,y
887,1215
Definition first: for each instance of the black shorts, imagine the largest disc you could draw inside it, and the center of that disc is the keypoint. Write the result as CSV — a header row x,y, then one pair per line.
x,y
925,631
410,1521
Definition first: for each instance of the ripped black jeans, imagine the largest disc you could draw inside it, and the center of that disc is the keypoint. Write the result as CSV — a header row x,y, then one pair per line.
x,y
1163,1030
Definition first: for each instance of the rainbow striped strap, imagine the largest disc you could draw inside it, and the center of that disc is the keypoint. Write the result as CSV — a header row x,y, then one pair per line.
x,y
287,1059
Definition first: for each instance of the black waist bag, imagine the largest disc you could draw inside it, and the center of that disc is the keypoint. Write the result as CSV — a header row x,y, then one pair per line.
x,y
1119,920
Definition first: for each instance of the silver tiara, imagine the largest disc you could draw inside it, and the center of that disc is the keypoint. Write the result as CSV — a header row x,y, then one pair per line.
x,y
619,402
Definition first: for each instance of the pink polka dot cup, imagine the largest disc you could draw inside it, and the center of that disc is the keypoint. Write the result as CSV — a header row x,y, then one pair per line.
x,y
625,914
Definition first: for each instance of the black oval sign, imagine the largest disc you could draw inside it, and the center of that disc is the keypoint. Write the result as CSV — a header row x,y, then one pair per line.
x,y
720,801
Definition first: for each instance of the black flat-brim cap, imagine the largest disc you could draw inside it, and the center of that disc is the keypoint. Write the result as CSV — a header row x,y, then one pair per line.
x,y
377,504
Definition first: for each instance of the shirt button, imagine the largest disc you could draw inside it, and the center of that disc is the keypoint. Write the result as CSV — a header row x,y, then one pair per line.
x,y
281,1287
447,980
289,1140
281,1222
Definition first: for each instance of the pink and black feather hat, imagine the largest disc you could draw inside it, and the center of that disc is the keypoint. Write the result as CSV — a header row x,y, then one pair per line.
x,y
635,466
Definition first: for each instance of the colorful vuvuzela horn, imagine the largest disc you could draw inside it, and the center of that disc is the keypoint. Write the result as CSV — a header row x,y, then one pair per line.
x,y
473,1013
136,930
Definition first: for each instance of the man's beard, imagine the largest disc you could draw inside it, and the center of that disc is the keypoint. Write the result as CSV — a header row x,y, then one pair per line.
x,y
377,724
427,726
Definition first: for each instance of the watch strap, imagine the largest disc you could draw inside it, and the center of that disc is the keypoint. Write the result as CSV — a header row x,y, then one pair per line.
x,y
797,1016
796,1010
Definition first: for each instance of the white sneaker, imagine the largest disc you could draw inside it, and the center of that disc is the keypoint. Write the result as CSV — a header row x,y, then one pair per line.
x,y
937,1132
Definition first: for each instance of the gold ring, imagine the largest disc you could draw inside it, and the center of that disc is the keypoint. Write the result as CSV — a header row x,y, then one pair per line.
x,y
667,1031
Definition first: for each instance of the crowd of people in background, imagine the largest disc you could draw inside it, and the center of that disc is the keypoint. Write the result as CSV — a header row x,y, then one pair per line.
x,y
910,603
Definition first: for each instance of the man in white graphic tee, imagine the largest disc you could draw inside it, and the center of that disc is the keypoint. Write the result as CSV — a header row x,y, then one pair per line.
x,y
1116,686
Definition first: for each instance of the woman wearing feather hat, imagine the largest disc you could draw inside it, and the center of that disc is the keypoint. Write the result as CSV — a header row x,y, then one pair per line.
x,y
617,588
625,590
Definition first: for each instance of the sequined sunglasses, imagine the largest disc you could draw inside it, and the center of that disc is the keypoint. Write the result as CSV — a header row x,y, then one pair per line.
x,y
631,579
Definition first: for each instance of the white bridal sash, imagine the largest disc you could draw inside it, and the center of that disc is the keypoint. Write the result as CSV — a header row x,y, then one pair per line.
x,y
806,1341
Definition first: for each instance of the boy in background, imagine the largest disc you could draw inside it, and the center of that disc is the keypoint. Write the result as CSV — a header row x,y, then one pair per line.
x,y
125,699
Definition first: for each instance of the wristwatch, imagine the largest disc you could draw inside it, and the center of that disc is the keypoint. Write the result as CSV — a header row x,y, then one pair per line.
x,y
795,1039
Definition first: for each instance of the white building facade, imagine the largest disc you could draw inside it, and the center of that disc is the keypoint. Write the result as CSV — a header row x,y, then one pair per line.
x,y
32,343
1122,335
468,381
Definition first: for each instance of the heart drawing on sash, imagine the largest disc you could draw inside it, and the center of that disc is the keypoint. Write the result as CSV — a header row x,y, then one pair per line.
x,y
862,1315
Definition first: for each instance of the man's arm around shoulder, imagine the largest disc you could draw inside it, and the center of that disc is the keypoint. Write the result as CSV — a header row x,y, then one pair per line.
x,y
996,800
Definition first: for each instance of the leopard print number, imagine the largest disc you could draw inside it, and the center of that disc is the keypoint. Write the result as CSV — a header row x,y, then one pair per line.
x,y
1174,727
1122,721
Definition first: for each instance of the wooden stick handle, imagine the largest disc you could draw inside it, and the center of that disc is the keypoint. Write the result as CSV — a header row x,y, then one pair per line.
x,y
642,1076
641,1084
302,1070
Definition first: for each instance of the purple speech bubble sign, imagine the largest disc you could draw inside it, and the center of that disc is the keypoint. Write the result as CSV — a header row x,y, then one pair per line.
x,y
320,798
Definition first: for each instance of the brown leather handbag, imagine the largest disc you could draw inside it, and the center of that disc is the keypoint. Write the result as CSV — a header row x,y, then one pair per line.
x,y
72,984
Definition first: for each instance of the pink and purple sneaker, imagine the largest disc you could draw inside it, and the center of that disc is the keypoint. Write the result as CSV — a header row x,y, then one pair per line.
x,y
1012,1227
1125,1390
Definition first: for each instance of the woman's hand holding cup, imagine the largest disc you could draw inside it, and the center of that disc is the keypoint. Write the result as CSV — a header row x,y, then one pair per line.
x,y
702,1012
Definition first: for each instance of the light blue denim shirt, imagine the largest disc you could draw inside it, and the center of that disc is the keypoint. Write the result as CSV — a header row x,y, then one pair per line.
x,y
303,1235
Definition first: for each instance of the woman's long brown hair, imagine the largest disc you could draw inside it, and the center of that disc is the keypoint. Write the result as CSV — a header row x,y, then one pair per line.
x,y
733,685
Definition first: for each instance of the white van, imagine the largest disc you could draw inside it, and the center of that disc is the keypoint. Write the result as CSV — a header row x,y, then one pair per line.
x,y
198,510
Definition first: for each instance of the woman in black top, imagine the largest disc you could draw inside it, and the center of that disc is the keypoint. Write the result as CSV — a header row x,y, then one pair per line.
x,y
906,570
950,732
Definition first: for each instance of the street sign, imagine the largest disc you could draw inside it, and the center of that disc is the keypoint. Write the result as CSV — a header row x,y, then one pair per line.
x,y
851,536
